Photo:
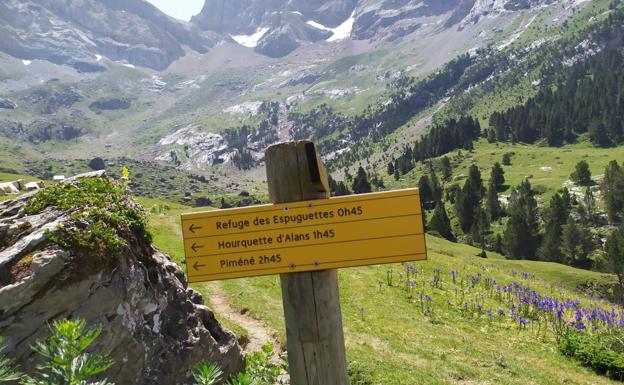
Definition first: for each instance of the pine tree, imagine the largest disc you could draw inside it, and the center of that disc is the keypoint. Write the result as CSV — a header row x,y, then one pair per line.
x,y
424,189
361,184
550,248
474,177
493,204
466,203
447,169
613,191
497,175
598,133
567,198
590,204
581,174
498,244
440,222
507,159
480,227
342,189
396,174
436,190
390,168
520,238
615,254
575,244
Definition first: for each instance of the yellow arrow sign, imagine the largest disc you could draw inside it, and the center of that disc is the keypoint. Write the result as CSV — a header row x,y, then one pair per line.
x,y
312,235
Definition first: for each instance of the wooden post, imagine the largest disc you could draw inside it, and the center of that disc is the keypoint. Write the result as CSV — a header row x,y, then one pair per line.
x,y
314,336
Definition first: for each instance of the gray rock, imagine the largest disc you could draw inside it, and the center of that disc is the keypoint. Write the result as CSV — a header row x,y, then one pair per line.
x,y
97,163
91,174
246,16
7,104
75,31
286,35
153,325
302,78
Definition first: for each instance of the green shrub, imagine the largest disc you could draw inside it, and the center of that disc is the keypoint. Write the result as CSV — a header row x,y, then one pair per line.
x,y
260,369
8,371
102,212
65,360
207,374
602,350
358,375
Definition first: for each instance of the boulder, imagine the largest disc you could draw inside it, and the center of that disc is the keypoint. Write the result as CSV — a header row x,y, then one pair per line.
x,y
9,188
7,104
97,163
153,325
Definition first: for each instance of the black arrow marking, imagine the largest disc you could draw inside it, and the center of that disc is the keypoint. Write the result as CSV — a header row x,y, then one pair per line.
x,y
193,228
196,246
197,265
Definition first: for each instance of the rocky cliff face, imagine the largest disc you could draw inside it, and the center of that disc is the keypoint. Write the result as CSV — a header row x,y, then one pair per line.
x,y
281,26
81,32
154,326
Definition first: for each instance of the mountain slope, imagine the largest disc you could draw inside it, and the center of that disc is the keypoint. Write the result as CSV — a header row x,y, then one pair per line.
x,y
79,33
204,112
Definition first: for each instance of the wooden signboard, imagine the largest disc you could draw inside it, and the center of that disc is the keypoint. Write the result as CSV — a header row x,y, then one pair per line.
x,y
320,234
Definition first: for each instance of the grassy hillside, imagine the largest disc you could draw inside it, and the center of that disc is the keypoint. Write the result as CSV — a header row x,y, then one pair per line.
x,y
548,168
394,337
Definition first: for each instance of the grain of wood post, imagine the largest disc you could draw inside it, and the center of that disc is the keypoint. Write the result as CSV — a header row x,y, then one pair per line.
x,y
314,335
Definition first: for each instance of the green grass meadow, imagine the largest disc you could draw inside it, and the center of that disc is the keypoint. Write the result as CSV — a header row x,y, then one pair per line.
x,y
390,338
547,168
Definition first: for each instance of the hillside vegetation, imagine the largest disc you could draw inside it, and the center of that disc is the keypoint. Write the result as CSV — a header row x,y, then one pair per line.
x,y
433,337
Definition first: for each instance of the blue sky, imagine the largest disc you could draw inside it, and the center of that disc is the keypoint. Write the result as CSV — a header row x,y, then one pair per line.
x,y
180,9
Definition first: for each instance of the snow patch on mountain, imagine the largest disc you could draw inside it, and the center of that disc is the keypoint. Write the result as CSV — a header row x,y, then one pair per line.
x,y
251,41
341,32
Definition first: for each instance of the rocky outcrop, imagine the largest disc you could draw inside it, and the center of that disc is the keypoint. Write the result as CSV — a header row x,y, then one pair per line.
x,y
286,21
80,32
189,148
154,326
7,104
287,34
97,163
288,24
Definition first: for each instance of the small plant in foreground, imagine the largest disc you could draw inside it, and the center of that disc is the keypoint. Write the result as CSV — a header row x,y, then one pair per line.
x,y
260,365
66,361
8,371
260,369
243,378
207,374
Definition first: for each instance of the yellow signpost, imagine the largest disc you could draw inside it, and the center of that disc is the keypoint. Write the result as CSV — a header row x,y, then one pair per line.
x,y
321,234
